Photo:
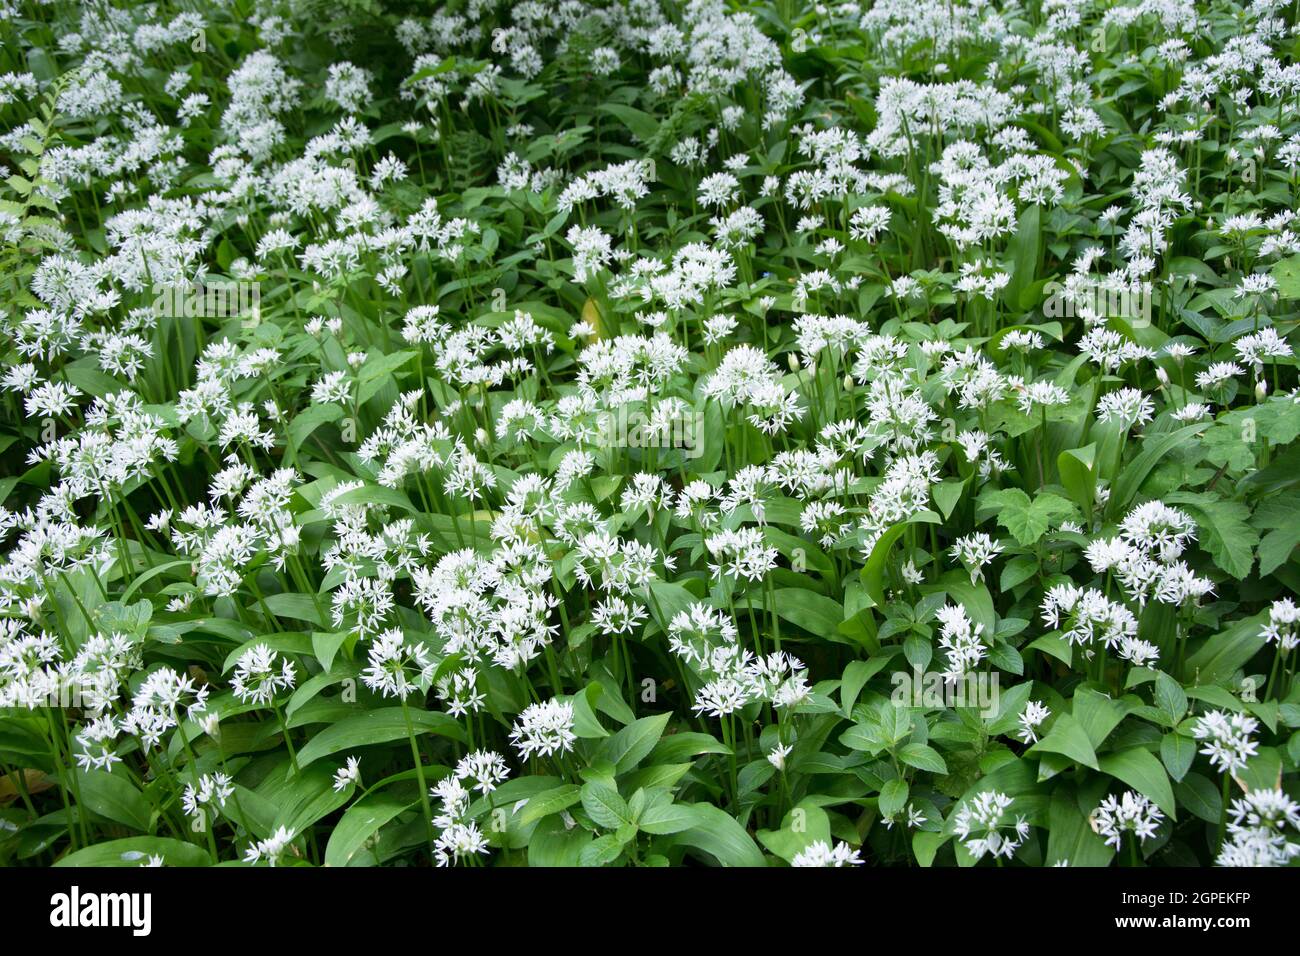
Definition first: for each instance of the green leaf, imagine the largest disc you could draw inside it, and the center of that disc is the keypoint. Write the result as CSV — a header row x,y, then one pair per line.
x,y
309,419
1068,738
601,851
1177,752
893,796
115,798
679,747
135,851
813,612
804,825
552,801
856,675
553,845
299,607
663,816
605,807
873,572
1027,519
1224,531
1025,249
362,820
1170,697
585,722
310,798
1220,657
377,727
1070,838
717,833
1143,772
1097,714
1286,273
1154,447
923,757
1078,474
641,124
630,745
1200,797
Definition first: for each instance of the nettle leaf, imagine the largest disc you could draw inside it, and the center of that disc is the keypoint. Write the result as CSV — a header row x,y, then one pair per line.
x,y
1225,533
922,757
1177,752
661,816
551,801
605,806
1027,519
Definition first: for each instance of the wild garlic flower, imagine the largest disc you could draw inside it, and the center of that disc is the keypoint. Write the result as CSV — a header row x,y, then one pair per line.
x,y
1131,813
260,673
1260,830
544,729
820,853
212,790
1227,738
270,850
348,775
397,667
1030,719
1283,627
986,826
975,551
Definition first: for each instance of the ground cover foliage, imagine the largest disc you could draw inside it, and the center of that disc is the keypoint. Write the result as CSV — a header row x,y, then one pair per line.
x,y
649,433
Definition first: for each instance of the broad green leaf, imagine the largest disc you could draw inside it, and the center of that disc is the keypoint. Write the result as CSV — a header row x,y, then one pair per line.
x,y
377,727
363,819
1144,773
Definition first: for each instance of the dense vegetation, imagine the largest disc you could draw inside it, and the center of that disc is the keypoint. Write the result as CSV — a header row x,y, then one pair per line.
x,y
618,432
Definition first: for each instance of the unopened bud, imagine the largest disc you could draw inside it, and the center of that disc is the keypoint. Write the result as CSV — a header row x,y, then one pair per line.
x,y
481,436
794,362
848,383
1261,390
1162,377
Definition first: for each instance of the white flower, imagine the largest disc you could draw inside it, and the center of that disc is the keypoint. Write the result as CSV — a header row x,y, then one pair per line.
x,y
348,775
986,826
1132,812
259,674
544,729
1227,738
820,853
